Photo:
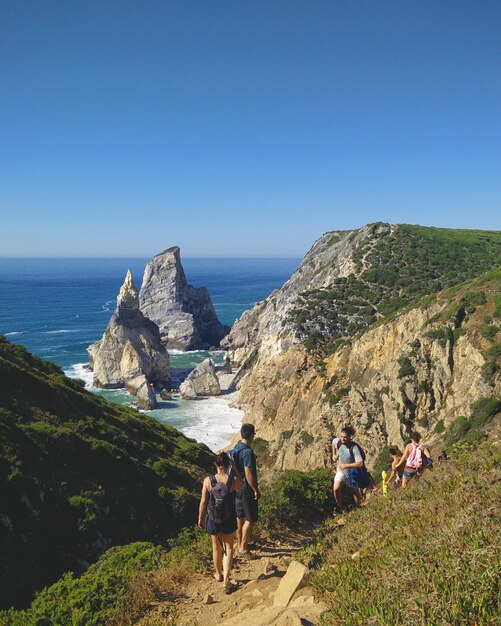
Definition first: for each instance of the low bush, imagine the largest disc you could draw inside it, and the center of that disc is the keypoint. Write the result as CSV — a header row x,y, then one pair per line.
x,y
296,497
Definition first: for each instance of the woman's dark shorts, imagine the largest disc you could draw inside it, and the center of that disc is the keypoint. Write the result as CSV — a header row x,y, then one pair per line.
x,y
247,505
228,528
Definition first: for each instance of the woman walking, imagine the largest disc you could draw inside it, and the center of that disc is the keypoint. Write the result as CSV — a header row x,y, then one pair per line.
x,y
217,515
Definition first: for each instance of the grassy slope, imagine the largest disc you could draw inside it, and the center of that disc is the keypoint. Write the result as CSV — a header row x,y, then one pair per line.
x,y
79,474
393,269
426,555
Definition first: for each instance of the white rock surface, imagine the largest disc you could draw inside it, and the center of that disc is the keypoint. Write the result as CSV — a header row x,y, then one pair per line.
x,y
185,315
202,381
130,346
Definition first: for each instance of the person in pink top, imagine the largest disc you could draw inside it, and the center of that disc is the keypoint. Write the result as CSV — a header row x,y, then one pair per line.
x,y
413,458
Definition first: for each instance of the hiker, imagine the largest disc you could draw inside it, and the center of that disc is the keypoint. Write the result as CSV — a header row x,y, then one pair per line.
x,y
397,469
414,458
216,514
247,497
350,469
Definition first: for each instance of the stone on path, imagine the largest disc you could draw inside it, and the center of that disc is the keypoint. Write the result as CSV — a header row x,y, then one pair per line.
x,y
290,583
288,618
208,599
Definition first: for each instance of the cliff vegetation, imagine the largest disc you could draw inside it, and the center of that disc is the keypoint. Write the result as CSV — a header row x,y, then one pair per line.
x,y
79,475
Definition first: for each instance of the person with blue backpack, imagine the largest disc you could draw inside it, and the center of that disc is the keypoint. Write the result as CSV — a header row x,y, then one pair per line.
x,y
217,515
350,470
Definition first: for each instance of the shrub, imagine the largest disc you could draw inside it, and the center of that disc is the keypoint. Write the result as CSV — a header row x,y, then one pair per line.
x,y
297,497
457,430
440,427
406,367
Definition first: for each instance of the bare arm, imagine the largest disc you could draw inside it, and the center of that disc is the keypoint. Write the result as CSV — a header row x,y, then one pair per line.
x,y
343,466
334,453
405,455
204,499
238,481
249,477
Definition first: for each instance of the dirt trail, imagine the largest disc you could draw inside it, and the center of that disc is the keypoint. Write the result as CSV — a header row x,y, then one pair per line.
x,y
251,602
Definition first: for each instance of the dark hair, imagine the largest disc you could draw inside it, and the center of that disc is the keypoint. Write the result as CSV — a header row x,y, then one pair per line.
x,y
415,437
247,431
222,460
349,430
393,451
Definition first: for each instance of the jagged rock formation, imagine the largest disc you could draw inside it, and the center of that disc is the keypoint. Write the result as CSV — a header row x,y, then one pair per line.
x,y
143,390
130,346
185,314
202,381
422,369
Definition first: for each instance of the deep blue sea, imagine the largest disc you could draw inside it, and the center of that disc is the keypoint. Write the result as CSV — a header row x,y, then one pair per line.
x,y
58,307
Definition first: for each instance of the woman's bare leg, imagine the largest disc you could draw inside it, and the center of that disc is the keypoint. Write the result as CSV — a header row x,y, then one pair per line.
x,y
217,557
227,559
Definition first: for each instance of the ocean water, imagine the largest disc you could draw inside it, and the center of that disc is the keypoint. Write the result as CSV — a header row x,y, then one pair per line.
x,y
58,307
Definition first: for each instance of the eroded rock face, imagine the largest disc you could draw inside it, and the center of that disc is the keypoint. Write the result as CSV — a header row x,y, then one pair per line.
x,y
405,374
140,387
202,381
130,347
287,399
185,315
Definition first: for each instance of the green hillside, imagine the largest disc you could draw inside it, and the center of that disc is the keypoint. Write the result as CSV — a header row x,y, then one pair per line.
x,y
79,475
393,267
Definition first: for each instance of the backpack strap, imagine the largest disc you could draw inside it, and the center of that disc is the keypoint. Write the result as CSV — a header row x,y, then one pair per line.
x,y
236,455
350,446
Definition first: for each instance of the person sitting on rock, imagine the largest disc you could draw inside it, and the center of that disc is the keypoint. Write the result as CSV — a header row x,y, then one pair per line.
x,y
217,514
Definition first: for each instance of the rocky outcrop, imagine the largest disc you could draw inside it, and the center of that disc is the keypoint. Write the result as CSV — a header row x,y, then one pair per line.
x,y
184,314
421,370
140,387
202,381
130,347
266,325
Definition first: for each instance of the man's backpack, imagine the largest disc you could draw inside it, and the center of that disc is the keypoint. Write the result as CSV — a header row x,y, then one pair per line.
x,y
235,454
359,476
221,506
350,445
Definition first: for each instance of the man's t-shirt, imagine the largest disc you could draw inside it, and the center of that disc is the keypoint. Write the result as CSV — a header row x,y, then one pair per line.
x,y
245,457
344,455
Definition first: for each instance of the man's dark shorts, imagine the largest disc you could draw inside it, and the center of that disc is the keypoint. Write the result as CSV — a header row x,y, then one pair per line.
x,y
247,505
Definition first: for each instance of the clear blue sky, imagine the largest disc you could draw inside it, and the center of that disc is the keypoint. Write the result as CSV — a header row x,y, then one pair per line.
x,y
243,127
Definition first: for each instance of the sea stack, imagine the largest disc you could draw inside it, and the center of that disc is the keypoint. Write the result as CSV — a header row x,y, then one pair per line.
x,y
130,347
185,315
202,381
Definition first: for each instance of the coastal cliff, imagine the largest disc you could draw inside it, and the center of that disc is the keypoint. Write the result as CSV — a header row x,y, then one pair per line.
x,y
184,314
130,347
341,342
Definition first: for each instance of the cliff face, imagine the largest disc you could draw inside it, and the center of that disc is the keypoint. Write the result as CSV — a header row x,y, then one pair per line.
x,y
185,315
130,347
419,369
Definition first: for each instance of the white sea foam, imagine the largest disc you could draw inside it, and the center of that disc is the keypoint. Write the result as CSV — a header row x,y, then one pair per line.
x,y
209,420
14,333
174,351
82,371
63,331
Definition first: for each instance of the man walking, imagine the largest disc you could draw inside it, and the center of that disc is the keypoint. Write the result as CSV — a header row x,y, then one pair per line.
x,y
246,498
348,456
